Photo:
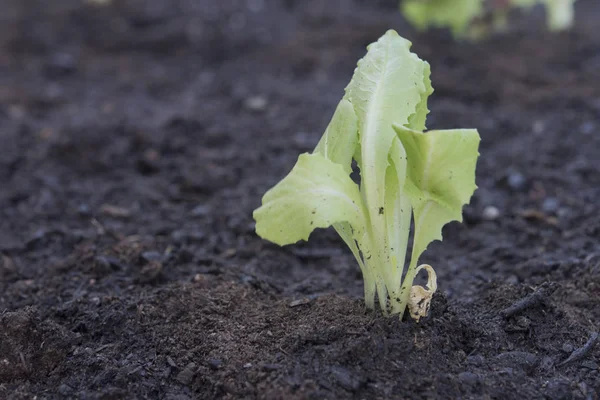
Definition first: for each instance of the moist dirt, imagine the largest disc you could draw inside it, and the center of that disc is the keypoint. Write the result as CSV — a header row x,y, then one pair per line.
x,y
136,139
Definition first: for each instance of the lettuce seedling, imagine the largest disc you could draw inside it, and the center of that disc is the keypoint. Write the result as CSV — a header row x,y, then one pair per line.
x,y
405,173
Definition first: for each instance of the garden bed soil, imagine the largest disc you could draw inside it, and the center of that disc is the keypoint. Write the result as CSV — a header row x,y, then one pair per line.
x,y
136,139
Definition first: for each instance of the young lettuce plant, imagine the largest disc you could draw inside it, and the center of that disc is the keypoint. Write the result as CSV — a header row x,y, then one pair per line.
x,y
405,173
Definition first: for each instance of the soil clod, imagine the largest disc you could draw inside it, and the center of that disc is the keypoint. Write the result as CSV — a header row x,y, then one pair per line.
x,y
187,374
136,140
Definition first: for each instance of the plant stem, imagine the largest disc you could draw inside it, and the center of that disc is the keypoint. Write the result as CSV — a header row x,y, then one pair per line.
x,y
370,286
407,285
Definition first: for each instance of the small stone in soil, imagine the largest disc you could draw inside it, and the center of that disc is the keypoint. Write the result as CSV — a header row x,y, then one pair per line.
x,y
299,302
151,256
506,371
546,363
476,360
490,213
550,204
215,363
16,112
538,127
256,103
187,374
523,322
469,378
180,236
303,140
567,347
171,362
516,181
201,210
60,64
84,210
587,128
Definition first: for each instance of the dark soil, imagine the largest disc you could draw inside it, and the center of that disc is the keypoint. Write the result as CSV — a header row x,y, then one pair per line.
x,y
137,138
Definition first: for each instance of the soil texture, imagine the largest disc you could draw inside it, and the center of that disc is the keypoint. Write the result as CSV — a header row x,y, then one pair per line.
x,y
137,137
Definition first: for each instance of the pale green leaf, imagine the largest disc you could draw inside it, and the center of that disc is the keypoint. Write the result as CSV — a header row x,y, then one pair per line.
x,y
317,193
353,239
386,87
397,211
417,120
440,178
340,140
338,144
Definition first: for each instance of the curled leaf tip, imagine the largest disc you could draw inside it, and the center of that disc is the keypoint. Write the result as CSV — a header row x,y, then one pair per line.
x,y
420,298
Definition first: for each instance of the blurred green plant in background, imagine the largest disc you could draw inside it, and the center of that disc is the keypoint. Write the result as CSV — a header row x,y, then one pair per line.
x,y
476,18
